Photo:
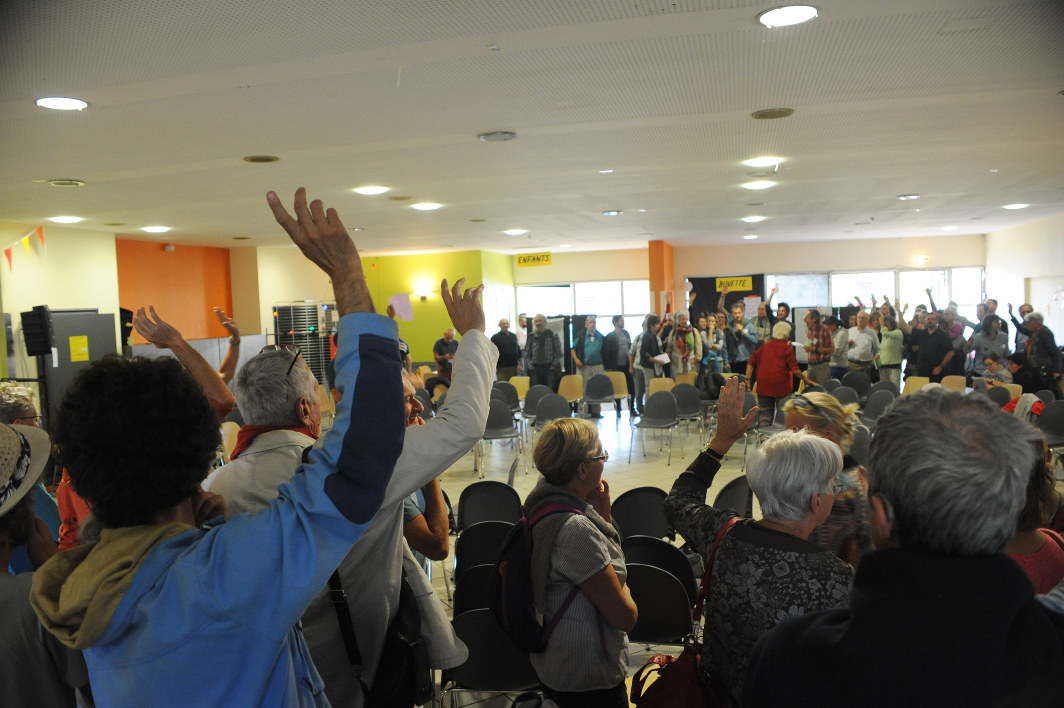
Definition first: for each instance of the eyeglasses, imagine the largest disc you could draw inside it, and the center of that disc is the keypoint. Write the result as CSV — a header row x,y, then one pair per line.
x,y
603,457
296,351
801,400
33,419
837,485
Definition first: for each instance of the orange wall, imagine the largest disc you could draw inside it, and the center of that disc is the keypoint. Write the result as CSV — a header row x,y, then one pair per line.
x,y
183,286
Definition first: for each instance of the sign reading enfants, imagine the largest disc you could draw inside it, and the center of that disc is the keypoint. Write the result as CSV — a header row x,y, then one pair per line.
x,y
531,260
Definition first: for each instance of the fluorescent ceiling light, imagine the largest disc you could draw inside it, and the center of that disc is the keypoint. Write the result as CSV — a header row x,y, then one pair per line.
x,y
949,228
787,15
65,219
426,206
1015,206
156,229
605,172
907,197
749,237
753,219
60,103
763,162
612,212
370,190
565,245
515,232
759,184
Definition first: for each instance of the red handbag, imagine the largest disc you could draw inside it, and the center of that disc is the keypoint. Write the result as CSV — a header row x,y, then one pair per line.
x,y
680,682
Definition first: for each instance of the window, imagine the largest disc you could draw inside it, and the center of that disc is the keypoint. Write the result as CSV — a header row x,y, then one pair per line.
x,y
913,289
550,300
845,286
600,299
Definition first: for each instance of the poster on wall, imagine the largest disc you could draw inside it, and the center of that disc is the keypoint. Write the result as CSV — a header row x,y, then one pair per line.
x,y
706,293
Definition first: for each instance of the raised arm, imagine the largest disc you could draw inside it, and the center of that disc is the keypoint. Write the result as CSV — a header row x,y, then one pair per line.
x,y
228,369
720,302
931,300
165,336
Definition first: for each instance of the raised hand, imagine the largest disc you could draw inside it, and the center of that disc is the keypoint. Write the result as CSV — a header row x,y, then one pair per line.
x,y
731,424
465,308
155,330
230,326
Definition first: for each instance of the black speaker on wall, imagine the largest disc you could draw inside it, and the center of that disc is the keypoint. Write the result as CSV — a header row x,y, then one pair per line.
x,y
37,331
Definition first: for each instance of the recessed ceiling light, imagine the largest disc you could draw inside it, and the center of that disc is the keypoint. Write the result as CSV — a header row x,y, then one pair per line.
x,y
358,228
759,184
753,219
756,203
66,183
565,245
60,103
156,229
642,211
370,190
241,238
612,212
65,219
426,206
646,235
772,113
949,228
1015,206
497,136
749,237
787,15
114,223
605,172
907,197
515,232
477,221
401,198
763,162
261,159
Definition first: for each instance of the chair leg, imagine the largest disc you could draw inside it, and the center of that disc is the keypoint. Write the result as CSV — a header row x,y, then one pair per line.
x,y
669,463
631,439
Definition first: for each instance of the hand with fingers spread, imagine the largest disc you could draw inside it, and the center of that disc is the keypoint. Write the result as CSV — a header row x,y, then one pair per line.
x,y
322,238
465,308
155,330
230,326
731,424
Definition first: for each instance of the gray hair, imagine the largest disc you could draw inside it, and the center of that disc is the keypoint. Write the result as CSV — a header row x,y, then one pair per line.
x,y
15,402
789,469
267,396
781,330
1035,317
953,469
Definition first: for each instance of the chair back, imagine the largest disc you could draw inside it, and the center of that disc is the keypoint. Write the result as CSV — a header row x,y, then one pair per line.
x,y
914,384
510,391
1045,396
599,389
479,544
426,404
845,394
660,410
520,383
230,430
550,407
749,401
1051,423
533,397
688,401
862,441
885,386
664,555
424,371
422,392
858,381
831,384
498,395
473,588
488,500
687,377
620,384
664,607
494,663
954,382
500,420
1015,390
736,495
571,387
659,384
877,405
641,512
1000,396
439,390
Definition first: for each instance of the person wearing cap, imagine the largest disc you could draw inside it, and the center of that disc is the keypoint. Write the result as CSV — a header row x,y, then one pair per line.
x,y
35,669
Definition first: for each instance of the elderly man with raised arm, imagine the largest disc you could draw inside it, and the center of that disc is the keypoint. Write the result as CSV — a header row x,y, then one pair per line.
x,y
174,605
938,615
372,571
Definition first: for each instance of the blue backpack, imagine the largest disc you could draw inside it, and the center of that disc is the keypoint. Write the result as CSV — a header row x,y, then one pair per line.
x,y
511,601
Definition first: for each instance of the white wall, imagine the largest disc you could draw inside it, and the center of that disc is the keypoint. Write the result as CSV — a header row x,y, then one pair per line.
x,y
1034,250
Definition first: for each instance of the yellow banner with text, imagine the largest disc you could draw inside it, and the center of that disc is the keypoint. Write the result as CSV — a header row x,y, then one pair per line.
x,y
743,283
532,260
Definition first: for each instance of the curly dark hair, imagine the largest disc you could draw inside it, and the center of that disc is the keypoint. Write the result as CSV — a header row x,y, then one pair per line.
x,y
137,437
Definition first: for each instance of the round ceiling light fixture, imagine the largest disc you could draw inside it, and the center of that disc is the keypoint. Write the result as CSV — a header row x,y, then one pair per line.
x,y
612,212
261,159
767,161
758,184
61,103
426,206
907,197
370,190
753,219
787,15
1015,206
156,229
66,183
65,219
749,237
497,136
772,113
515,232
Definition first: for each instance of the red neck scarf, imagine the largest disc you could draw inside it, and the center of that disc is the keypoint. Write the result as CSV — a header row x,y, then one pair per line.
x,y
250,432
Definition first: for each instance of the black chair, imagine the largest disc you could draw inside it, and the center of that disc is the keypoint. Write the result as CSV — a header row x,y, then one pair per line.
x,y
664,607
422,392
659,414
749,401
488,500
999,395
885,386
599,390
859,382
473,588
479,545
641,512
1045,396
532,399
500,426
736,495
1051,423
845,394
831,384
862,441
426,404
662,554
688,405
495,664
497,395
512,397
550,407
877,405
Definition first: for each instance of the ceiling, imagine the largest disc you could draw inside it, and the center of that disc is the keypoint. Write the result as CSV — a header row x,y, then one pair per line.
x,y
959,101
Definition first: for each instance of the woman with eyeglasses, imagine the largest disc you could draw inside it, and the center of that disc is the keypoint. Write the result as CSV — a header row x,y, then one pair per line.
x,y
765,570
586,660
846,531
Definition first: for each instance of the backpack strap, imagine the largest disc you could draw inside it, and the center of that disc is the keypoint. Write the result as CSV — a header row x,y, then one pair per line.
x,y
1055,536
547,510
347,627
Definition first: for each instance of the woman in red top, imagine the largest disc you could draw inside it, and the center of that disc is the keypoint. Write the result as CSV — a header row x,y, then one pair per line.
x,y
1039,551
775,365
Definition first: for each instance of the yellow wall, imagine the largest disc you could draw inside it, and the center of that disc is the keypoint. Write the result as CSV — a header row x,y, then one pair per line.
x,y
76,269
244,273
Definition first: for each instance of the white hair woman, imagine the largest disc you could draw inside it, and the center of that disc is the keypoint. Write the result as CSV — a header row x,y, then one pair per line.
x,y
764,570
846,532
775,366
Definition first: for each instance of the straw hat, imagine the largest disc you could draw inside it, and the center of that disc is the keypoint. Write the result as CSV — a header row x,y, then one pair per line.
x,y
24,452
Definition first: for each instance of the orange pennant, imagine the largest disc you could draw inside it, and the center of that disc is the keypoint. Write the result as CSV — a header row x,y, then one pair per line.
x,y
40,234
7,252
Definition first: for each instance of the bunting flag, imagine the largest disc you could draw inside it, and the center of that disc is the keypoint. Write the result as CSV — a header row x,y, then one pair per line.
x,y
26,244
7,252
40,235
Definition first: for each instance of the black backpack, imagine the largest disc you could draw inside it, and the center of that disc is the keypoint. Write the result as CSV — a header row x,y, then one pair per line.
x,y
511,601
